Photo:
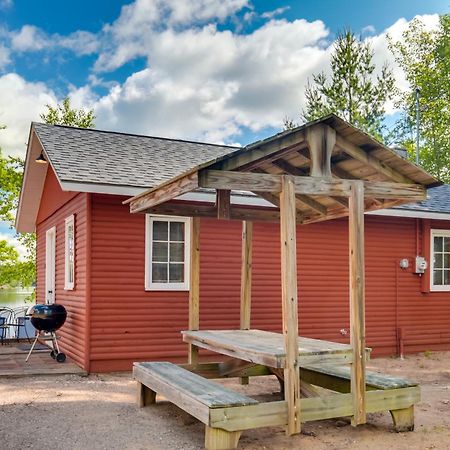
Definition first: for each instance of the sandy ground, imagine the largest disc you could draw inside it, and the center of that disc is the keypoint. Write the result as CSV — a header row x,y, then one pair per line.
x,y
98,412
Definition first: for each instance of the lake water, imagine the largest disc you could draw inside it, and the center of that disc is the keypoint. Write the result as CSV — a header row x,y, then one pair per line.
x,y
14,297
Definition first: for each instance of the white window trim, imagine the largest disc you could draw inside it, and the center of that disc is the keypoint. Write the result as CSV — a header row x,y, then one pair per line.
x,y
149,285
436,233
69,285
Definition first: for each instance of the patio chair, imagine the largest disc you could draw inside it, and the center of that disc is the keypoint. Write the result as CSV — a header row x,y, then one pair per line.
x,y
18,321
5,320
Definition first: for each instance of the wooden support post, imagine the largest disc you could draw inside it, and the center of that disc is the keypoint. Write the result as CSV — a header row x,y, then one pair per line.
x,y
357,315
246,279
218,439
145,396
246,274
194,290
290,302
223,203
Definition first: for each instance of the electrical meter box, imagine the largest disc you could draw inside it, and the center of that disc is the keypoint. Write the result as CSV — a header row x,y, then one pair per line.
x,y
421,264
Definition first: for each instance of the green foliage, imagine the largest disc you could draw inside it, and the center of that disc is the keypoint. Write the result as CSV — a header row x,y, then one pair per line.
x,y
353,90
10,183
424,56
64,115
14,272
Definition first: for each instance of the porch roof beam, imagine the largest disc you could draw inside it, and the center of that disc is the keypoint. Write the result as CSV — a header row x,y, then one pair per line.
x,y
259,182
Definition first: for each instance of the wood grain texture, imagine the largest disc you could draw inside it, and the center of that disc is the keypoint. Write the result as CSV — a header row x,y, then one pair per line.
x,y
164,193
359,154
321,139
246,275
267,348
194,287
357,301
289,295
223,204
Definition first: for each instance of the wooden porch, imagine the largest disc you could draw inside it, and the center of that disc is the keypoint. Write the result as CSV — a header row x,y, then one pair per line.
x,y
12,362
324,170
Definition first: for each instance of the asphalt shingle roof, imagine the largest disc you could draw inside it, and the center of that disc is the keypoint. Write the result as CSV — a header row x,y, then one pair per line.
x,y
438,201
118,159
103,157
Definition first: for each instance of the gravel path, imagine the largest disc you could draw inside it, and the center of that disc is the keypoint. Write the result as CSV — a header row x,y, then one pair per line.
x,y
98,412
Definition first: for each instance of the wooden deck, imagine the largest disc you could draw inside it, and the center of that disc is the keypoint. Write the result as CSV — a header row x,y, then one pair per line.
x,y
267,348
12,362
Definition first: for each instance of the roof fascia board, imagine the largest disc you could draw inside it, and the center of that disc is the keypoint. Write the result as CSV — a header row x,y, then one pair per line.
x,y
411,213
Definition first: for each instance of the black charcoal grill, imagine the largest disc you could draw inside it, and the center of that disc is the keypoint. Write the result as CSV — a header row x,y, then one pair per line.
x,y
47,319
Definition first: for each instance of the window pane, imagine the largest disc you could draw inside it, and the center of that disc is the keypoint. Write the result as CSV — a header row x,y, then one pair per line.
x,y
437,277
160,251
447,260
176,272
160,230
438,244
176,252
438,257
177,231
446,277
159,273
446,244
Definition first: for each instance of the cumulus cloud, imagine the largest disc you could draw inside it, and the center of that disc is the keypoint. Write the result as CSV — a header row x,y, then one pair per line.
x,y
4,56
30,38
20,103
201,81
6,4
275,12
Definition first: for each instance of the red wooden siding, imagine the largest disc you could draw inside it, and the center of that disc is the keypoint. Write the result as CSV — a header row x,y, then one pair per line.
x,y
129,324
56,205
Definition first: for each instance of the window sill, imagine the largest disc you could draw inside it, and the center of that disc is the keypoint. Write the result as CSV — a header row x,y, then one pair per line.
x,y
440,289
167,288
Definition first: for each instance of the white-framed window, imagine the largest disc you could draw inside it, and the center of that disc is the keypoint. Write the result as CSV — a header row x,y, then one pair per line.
x,y
69,253
440,260
167,253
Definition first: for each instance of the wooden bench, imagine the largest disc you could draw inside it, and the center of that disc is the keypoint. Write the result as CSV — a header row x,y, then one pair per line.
x,y
192,393
337,378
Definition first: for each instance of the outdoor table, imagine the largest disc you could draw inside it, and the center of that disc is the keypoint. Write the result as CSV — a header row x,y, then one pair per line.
x,y
267,348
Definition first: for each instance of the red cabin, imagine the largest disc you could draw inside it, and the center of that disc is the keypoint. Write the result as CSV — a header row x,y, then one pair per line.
x,y
124,278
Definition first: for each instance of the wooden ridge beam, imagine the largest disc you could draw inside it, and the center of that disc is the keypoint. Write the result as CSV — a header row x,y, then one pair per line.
x,y
357,153
264,182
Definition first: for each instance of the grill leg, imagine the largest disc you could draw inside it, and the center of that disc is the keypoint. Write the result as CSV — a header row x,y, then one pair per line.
x,y
32,347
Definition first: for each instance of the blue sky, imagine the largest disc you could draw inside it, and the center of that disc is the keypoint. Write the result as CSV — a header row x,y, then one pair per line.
x,y
215,70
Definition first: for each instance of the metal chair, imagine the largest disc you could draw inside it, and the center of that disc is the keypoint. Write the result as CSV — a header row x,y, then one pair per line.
x,y
5,323
18,320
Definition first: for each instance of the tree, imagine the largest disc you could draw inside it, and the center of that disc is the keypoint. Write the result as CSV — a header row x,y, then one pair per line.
x,y
353,91
13,270
64,115
424,56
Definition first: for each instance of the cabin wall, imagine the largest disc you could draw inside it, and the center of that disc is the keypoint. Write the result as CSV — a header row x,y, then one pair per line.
x,y
55,207
129,324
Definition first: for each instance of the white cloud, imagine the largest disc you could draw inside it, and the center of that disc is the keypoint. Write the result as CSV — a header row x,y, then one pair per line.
x,y
203,83
4,56
20,103
30,38
369,29
275,12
